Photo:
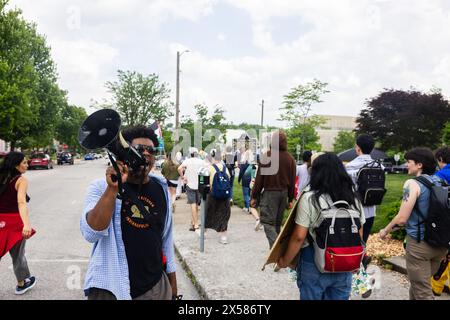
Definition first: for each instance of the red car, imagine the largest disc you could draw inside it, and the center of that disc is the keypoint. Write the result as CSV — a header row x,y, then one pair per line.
x,y
40,160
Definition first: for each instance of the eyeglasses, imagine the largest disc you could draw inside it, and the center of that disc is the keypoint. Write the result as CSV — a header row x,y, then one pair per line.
x,y
141,148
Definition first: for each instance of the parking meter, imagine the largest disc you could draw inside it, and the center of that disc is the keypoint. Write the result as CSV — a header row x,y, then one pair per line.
x,y
204,188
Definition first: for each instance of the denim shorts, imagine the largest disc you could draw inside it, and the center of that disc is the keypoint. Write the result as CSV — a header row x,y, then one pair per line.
x,y
314,285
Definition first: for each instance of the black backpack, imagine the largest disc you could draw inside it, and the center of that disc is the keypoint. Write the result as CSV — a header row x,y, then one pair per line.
x,y
370,180
437,223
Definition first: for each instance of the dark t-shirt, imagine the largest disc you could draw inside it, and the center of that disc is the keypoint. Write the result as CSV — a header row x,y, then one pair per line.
x,y
143,239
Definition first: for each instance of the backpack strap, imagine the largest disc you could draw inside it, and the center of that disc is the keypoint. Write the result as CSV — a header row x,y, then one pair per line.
x,y
428,184
216,167
371,164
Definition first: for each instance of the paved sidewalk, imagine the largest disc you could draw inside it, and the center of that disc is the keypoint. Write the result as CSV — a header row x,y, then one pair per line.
x,y
233,271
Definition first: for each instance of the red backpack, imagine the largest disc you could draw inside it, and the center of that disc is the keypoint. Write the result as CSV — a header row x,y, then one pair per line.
x,y
338,246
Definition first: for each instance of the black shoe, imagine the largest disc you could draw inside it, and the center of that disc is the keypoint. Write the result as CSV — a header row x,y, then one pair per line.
x,y
446,289
367,294
28,284
436,294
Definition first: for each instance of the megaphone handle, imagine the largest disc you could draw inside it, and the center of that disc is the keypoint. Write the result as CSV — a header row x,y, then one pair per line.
x,y
117,177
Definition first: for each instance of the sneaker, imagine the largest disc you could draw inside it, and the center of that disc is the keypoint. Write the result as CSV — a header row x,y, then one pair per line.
x,y
223,240
28,284
258,225
245,210
366,294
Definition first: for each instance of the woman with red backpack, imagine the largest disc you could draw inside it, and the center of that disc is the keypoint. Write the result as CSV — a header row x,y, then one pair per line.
x,y
329,207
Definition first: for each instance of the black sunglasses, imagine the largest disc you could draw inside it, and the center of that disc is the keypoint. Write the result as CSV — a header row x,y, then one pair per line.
x,y
141,148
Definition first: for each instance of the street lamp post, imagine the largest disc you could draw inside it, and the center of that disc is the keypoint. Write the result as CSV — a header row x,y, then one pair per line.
x,y
177,98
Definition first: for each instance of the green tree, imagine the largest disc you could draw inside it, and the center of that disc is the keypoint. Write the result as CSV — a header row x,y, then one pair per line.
x,y
446,134
215,120
139,99
296,108
401,120
69,124
344,140
297,104
304,134
29,95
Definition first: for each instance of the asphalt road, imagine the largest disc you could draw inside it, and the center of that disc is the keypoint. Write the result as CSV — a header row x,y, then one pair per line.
x,y
58,255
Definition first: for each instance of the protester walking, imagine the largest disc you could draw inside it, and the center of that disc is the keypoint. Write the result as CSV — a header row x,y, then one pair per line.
x,y
188,171
303,175
230,160
329,184
15,227
245,178
170,172
252,171
422,259
440,281
218,210
133,254
364,146
276,176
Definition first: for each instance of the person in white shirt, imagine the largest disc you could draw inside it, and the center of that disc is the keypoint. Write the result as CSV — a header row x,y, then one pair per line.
x,y
303,172
364,146
188,171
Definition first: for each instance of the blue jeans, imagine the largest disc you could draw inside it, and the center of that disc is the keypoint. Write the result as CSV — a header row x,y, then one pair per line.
x,y
246,193
314,285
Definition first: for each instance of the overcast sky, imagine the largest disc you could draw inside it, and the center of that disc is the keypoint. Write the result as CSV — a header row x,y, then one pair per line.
x,y
243,51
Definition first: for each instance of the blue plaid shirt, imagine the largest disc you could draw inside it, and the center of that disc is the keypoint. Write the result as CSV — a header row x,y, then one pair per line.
x,y
108,266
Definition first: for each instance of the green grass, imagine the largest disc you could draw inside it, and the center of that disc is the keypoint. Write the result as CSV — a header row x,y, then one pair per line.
x,y
394,186
238,197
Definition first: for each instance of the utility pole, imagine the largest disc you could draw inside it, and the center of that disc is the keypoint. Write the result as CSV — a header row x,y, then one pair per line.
x,y
262,113
177,99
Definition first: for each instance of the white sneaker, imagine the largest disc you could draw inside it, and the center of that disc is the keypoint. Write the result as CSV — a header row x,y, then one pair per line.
x,y
223,240
245,210
258,225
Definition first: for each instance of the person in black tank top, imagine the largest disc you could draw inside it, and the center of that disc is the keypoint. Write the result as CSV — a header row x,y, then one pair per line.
x,y
14,219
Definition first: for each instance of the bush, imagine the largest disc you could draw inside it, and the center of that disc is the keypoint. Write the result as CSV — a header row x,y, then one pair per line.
x,y
392,211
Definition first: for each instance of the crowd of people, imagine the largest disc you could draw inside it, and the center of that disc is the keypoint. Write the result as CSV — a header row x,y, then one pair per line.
x,y
133,253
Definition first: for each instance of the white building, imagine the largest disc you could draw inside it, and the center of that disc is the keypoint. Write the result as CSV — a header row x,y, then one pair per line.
x,y
329,131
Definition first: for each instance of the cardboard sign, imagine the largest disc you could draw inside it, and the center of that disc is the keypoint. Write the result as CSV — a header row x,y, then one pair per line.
x,y
281,243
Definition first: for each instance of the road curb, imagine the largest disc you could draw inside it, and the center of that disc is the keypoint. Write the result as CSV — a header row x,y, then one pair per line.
x,y
398,264
200,290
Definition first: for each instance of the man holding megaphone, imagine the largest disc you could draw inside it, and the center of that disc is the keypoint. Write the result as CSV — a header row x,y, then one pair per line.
x,y
128,217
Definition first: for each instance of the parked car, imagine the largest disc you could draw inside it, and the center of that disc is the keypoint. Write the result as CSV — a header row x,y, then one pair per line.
x,y
89,156
390,167
65,157
40,160
401,168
